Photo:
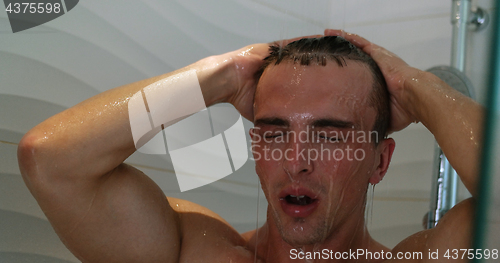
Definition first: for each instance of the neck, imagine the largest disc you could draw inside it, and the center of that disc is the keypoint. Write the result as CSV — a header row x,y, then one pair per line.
x,y
345,237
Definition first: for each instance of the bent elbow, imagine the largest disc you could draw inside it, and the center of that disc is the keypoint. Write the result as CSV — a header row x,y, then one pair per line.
x,y
29,152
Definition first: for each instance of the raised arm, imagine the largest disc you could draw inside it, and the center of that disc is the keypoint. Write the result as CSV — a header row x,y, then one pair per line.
x,y
454,119
103,210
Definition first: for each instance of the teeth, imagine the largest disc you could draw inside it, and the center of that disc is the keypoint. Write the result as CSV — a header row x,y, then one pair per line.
x,y
300,196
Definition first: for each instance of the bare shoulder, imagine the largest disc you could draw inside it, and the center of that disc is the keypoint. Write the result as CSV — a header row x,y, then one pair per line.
x,y
206,236
454,231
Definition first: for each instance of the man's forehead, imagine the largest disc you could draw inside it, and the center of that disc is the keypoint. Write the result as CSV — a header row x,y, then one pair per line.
x,y
309,120
353,79
308,93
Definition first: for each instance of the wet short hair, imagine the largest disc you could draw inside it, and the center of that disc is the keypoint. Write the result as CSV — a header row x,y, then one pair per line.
x,y
337,49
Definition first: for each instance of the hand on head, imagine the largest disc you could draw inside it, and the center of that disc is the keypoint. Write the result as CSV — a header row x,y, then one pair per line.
x,y
396,73
247,60
242,82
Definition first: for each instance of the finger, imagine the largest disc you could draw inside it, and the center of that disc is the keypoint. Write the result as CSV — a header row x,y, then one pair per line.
x,y
358,41
285,42
378,53
335,32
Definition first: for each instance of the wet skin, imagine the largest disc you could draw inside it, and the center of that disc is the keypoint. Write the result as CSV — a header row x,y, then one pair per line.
x,y
107,211
306,102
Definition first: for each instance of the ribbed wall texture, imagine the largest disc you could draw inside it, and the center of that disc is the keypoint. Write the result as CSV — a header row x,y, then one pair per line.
x,y
100,45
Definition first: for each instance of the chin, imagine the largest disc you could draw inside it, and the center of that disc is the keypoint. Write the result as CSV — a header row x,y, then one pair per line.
x,y
302,232
297,238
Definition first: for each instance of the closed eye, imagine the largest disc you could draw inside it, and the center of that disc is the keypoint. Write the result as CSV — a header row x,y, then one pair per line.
x,y
322,138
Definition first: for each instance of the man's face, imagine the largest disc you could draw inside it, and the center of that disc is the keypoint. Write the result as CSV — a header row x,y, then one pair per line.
x,y
313,147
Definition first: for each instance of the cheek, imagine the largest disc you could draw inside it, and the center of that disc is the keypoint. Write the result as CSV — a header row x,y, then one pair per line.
x,y
348,162
268,155
266,170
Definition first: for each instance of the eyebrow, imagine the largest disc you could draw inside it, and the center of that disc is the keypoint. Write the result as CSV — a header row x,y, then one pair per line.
x,y
272,121
335,123
319,123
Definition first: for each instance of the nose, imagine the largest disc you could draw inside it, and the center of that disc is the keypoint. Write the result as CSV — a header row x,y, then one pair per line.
x,y
297,159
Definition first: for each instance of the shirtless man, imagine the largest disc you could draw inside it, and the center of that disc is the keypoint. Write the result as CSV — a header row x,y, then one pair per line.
x,y
106,211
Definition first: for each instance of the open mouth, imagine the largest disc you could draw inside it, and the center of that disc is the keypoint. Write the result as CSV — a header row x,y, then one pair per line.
x,y
298,206
299,200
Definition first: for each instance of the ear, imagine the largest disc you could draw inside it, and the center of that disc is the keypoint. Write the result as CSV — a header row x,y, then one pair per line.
x,y
384,151
254,136
253,133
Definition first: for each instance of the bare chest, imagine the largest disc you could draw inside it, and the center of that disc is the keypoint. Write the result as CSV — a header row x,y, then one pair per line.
x,y
219,254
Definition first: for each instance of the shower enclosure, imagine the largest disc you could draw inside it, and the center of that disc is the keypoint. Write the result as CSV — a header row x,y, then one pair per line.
x,y
99,45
